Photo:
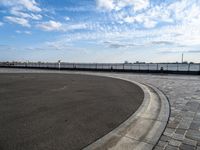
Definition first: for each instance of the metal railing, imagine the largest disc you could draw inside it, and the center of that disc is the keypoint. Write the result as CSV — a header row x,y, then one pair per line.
x,y
134,67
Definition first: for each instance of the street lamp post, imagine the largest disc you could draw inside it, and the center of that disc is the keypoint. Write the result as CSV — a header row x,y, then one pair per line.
x,y
59,61
182,58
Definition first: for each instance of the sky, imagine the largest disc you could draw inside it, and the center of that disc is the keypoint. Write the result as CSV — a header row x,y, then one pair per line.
x,y
103,31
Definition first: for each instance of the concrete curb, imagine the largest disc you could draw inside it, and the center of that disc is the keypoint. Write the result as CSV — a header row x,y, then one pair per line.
x,y
144,128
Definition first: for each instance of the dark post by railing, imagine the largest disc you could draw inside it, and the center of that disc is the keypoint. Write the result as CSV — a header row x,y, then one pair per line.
x,y
177,67
74,66
59,62
188,67
157,66
199,67
161,69
139,67
167,67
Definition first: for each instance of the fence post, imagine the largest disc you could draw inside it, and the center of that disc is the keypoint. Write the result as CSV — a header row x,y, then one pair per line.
x,y
59,64
167,67
157,67
177,66
199,67
74,66
188,67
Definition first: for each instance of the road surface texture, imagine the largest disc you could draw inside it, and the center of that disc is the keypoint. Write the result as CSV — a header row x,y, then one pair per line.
x,y
61,111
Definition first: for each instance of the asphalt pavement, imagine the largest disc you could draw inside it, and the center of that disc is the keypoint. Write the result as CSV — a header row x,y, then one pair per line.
x,y
62,111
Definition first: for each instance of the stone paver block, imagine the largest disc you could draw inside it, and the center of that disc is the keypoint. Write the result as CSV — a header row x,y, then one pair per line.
x,y
165,138
185,123
195,125
169,147
169,131
190,142
187,147
174,143
180,131
188,114
172,124
179,137
197,117
193,134
162,143
158,148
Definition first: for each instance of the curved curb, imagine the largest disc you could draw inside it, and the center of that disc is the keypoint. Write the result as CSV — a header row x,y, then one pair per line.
x,y
143,129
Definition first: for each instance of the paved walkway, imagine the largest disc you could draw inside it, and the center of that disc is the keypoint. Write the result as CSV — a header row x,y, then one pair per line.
x,y
183,92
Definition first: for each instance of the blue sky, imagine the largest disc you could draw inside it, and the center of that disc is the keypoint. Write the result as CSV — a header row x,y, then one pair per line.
x,y
100,30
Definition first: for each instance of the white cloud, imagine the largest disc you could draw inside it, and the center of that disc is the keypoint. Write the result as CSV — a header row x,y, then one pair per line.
x,y
17,20
28,32
149,16
30,5
50,26
149,23
109,5
140,4
66,18
1,24
129,19
76,26
23,32
136,5
58,26
142,19
176,36
17,12
105,4
19,32
186,11
22,11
